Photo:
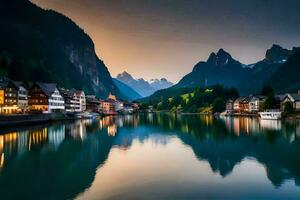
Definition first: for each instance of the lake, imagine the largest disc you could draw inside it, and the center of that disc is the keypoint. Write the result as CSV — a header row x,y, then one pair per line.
x,y
152,156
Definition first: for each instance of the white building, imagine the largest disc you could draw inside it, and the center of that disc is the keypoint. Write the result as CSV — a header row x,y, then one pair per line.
x,y
119,106
22,100
46,97
74,100
256,103
56,102
82,101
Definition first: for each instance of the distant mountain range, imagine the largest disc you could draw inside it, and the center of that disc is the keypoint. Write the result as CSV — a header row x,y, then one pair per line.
x,y
141,86
43,45
129,92
221,68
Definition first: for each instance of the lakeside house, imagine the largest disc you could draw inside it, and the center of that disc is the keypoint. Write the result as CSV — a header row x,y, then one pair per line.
x,y
241,105
113,106
22,100
230,106
279,101
294,99
46,98
110,105
256,103
93,104
9,97
82,100
74,100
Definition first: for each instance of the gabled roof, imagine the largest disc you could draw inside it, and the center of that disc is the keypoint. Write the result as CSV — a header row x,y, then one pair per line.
x,y
294,97
47,88
241,99
259,97
18,84
280,96
66,92
79,92
4,79
6,83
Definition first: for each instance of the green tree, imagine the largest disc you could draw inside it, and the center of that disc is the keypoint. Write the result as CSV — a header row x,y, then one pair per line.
x,y
270,102
267,90
218,105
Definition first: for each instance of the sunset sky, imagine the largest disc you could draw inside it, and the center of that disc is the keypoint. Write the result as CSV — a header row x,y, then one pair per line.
x,y
165,38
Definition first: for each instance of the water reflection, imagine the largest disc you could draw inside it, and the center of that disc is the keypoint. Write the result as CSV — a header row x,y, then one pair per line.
x,y
61,160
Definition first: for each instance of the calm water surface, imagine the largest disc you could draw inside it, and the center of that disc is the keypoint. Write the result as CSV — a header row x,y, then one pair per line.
x,y
152,157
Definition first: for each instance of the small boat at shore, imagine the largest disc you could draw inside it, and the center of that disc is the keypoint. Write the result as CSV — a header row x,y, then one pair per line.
x,y
273,115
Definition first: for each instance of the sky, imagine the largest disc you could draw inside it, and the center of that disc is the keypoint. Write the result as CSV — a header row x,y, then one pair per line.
x,y
166,38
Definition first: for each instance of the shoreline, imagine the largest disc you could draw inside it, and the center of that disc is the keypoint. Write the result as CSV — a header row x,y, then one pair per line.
x,y
36,119
32,119
255,115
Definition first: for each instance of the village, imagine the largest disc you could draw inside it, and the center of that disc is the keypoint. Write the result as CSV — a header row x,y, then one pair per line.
x,y
47,98
255,104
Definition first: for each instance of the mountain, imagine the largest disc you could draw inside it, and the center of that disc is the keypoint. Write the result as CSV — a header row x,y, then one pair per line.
x,y
139,85
159,84
143,87
128,92
286,78
221,68
43,45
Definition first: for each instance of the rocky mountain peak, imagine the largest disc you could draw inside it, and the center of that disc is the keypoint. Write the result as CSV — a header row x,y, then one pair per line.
x,y
220,58
277,54
125,77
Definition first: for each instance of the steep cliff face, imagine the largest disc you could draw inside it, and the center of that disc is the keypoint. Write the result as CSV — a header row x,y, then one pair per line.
x,y
43,45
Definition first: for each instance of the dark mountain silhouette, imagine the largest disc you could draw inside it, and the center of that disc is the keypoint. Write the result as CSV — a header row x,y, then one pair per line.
x,y
43,45
221,68
287,77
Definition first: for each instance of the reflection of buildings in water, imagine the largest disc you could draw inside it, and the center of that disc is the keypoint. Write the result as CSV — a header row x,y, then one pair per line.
x,y
1,152
275,125
112,123
56,135
184,128
112,130
242,125
208,120
119,121
77,130
8,142
106,121
109,122
22,142
1,161
37,137
1,143
87,121
150,118
132,120
298,128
